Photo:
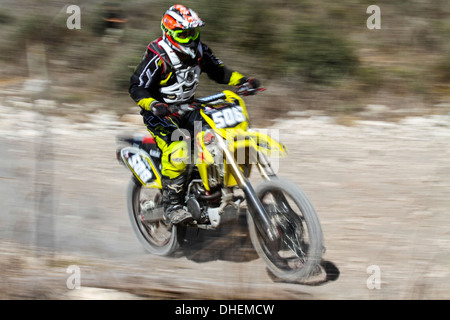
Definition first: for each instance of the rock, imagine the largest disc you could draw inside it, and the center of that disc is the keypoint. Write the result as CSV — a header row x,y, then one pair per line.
x,y
442,105
72,106
45,105
18,102
32,86
377,108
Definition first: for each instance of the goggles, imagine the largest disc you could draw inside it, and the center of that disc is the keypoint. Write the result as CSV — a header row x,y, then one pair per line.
x,y
185,36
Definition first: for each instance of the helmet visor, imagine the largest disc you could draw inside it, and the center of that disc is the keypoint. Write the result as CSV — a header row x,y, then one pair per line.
x,y
185,36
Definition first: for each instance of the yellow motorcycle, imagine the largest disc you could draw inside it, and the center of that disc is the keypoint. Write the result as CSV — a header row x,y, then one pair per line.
x,y
283,225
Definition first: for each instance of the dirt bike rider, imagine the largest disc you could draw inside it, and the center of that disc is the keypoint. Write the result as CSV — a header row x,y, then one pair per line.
x,y
169,74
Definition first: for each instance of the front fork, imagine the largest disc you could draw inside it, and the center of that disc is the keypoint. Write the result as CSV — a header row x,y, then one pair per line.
x,y
257,210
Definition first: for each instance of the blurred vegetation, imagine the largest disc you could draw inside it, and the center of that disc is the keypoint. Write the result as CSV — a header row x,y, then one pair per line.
x,y
301,46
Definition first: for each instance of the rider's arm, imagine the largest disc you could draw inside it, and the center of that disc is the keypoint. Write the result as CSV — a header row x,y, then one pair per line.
x,y
217,71
144,81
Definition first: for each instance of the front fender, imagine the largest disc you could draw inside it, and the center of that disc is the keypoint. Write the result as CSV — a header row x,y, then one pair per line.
x,y
260,142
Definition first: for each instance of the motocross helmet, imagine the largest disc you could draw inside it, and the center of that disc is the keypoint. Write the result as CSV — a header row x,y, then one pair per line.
x,y
181,29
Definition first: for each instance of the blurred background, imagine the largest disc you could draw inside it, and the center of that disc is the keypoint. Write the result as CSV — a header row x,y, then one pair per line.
x,y
319,54
364,112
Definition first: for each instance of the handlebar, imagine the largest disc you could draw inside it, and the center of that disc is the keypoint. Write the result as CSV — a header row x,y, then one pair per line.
x,y
243,90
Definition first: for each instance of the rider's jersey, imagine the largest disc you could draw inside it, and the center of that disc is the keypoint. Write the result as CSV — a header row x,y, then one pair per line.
x,y
165,76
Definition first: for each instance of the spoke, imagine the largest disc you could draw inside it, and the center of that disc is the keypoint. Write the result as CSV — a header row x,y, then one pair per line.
x,y
290,225
156,232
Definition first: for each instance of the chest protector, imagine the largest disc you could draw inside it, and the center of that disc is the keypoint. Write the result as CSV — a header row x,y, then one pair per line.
x,y
186,77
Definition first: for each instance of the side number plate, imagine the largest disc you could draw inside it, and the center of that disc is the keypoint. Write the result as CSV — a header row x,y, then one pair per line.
x,y
138,164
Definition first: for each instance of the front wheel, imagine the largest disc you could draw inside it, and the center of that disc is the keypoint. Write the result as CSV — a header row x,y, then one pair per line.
x,y
155,235
298,251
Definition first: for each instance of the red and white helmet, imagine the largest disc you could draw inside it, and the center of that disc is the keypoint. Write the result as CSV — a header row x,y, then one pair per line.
x,y
181,29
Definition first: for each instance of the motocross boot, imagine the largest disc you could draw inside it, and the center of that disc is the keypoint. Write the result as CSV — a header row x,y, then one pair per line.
x,y
173,200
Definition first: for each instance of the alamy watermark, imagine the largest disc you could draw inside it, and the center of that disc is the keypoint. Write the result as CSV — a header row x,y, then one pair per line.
x,y
74,20
374,280
266,141
374,21
74,280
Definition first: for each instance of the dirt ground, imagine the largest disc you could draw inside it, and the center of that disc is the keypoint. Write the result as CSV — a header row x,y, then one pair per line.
x,y
381,190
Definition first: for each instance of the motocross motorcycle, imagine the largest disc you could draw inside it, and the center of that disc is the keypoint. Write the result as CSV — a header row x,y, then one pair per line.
x,y
283,225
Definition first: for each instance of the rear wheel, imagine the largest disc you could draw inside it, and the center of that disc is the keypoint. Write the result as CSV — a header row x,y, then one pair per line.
x,y
298,251
155,235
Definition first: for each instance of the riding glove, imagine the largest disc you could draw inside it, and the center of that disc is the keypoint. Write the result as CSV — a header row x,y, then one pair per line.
x,y
253,83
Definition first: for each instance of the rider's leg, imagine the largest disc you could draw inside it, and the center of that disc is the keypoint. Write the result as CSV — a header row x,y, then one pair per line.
x,y
174,160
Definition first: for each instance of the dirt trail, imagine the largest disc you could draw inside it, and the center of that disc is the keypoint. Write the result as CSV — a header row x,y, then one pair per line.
x,y
381,190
